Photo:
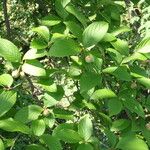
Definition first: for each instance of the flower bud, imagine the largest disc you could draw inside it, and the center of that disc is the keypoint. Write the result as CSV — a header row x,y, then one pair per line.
x,y
15,74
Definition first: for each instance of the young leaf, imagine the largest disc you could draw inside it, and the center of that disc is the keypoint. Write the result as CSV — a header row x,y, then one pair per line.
x,y
7,100
38,127
144,81
85,127
34,68
52,142
64,47
12,125
102,94
28,113
94,33
6,80
9,51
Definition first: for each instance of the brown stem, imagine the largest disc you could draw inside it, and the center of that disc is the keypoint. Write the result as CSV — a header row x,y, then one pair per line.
x,y
7,23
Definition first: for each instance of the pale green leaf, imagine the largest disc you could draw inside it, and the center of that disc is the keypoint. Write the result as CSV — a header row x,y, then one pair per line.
x,y
85,127
84,146
9,51
34,68
103,94
43,31
2,145
6,80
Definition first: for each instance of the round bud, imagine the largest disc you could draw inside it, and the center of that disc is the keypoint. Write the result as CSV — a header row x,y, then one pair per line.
x,y
15,74
133,85
22,74
46,112
89,58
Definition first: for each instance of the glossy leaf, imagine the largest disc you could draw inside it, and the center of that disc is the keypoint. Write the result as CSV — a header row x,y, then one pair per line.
x,y
12,125
94,33
34,68
7,100
9,51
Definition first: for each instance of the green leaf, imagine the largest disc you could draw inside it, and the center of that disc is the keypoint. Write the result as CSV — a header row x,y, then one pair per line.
x,y
75,29
51,99
120,124
84,146
120,72
63,114
12,125
34,53
132,143
35,147
7,100
144,46
109,37
38,43
2,145
120,30
50,20
121,46
144,81
64,47
114,106
34,68
38,127
85,127
112,138
9,51
28,113
62,126
103,94
60,9
75,11
6,80
43,31
52,142
69,136
88,80
94,33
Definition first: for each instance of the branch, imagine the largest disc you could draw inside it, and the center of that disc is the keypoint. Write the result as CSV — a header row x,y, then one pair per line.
x,y
7,23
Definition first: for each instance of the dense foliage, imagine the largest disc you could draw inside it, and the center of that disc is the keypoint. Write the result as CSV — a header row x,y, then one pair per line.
x,y
74,75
